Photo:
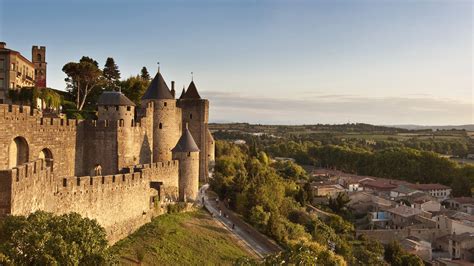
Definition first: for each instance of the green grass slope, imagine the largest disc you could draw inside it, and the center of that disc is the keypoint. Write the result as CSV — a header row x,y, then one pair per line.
x,y
191,238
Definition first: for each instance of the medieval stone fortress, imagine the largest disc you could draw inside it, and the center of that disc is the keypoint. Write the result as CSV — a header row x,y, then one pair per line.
x,y
115,169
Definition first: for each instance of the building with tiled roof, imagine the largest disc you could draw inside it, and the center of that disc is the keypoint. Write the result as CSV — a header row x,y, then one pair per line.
x,y
16,71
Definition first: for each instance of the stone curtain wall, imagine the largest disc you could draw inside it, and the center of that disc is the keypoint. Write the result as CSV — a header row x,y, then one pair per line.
x,y
57,135
121,203
165,172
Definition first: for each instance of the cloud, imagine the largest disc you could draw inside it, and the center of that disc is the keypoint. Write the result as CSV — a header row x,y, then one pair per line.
x,y
334,108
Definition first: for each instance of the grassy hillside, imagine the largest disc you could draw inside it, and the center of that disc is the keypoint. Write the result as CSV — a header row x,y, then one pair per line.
x,y
192,238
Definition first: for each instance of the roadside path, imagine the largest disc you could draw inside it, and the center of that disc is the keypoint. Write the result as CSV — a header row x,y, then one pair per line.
x,y
255,240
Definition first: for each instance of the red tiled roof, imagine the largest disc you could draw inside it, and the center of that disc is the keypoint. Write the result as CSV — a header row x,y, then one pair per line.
x,y
463,200
428,186
377,184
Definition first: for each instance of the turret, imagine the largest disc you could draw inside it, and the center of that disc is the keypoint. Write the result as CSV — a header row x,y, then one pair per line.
x,y
187,153
114,106
195,112
166,118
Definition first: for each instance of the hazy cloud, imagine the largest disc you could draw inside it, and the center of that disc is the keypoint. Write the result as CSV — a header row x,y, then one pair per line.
x,y
333,108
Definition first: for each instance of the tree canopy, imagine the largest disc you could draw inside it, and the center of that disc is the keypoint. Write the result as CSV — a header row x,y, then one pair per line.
x,y
111,74
144,74
83,77
45,239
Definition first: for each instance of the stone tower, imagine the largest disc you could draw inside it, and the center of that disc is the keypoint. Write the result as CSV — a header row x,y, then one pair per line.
x,y
187,153
166,118
114,106
38,57
195,112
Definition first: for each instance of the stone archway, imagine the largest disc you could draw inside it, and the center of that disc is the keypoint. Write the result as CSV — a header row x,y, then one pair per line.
x,y
47,156
18,152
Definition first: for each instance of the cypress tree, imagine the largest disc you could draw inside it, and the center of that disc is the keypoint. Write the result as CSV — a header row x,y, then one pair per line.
x,y
144,74
111,74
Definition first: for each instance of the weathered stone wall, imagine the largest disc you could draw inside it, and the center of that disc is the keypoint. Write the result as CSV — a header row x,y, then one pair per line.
x,y
165,173
120,203
112,113
195,112
188,175
59,136
166,129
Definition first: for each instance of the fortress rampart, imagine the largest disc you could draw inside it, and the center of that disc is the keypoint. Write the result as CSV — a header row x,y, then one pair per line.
x,y
121,202
115,169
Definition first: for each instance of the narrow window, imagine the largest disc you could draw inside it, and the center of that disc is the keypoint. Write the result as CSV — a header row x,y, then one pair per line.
x,y
190,116
116,108
161,125
78,180
64,182
129,108
166,103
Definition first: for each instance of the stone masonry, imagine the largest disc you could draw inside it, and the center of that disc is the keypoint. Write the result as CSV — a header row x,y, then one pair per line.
x,y
116,169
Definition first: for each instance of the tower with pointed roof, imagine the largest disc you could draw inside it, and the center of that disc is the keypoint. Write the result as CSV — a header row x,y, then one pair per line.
x,y
187,153
195,112
166,118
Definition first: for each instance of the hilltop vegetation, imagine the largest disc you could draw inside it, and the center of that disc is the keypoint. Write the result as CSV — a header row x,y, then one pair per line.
x,y
268,197
400,157
191,238
364,136
45,239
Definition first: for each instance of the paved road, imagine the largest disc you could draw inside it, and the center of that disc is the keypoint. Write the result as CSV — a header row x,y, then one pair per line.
x,y
256,241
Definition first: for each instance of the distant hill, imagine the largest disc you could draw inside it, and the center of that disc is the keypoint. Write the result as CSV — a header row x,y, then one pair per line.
x,y
468,127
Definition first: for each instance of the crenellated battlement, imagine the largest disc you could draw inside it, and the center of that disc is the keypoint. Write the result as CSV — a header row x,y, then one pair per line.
x,y
59,122
113,124
28,171
17,112
90,184
165,166
26,114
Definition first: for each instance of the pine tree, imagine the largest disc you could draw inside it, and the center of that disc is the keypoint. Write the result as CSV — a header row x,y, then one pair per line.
x,y
111,74
144,74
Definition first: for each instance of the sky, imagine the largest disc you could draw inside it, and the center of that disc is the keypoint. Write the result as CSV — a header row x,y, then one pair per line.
x,y
272,62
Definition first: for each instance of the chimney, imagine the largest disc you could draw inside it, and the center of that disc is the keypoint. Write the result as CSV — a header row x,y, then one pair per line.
x,y
2,45
173,92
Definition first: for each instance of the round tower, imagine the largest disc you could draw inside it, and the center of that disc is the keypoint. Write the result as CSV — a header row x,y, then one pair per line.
x,y
114,106
187,153
166,118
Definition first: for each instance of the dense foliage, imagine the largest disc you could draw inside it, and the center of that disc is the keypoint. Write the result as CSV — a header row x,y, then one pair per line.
x,y
45,239
28,96
86,82
397,162
268,197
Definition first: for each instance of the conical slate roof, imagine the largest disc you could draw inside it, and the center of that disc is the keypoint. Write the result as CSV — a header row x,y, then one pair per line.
x,y
182,93
191,92
114,98
186,143
158,90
